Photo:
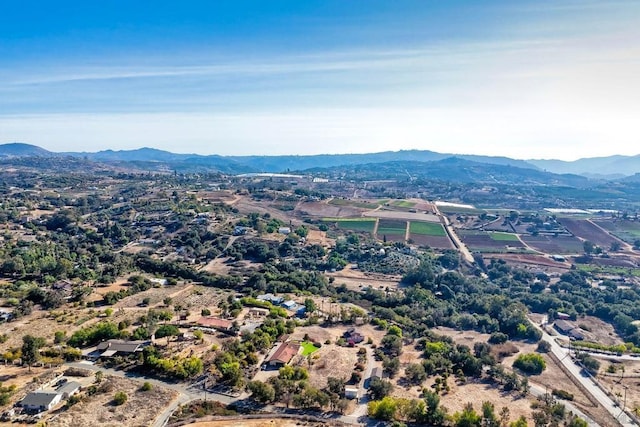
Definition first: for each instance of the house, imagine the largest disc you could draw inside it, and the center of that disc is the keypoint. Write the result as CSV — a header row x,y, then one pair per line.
x,y
353,337
216,323
270,298
289,305
351,392
239,230
38,401
258,312
283,354
69,389
112,347
301,311
284,230
563,326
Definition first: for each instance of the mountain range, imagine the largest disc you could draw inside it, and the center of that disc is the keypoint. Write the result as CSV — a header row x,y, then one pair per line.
x,y
612,167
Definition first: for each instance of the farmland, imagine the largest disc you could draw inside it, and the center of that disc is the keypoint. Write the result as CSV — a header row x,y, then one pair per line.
x,y
484,242
504,237
426,228
554,244
627,230
355,224
587,230
390,229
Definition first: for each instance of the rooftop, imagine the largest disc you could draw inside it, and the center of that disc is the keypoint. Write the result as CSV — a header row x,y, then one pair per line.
x,y
285,352
39,398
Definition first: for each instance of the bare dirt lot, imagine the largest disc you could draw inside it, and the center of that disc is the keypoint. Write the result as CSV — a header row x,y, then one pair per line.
x,y
626,375
598,331
356,279
323,209
140,409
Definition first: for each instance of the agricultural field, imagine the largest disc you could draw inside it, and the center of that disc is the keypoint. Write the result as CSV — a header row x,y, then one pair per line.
x,y
391,229
353,203
627,230
403,203
504,237
587,230
554,244
484,242
429,234
426,228
354,224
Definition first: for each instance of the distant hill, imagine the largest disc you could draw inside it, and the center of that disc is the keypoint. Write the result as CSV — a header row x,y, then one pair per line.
x,y
455,169
603,166
17,149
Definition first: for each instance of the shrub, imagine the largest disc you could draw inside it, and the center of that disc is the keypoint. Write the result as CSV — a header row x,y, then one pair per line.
x,y
530,363
498,338
562,394
146,386
119,398
543,347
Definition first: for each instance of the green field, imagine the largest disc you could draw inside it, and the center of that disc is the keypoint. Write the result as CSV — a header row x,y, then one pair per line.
x,y
308,348
504,237
391,231
404,204
356,224
426,228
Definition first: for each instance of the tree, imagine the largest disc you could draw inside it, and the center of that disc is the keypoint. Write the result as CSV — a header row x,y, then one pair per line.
x,y
379,388
467,418
31,349
310,305
520,422
262,392
384,409
415,373
589,247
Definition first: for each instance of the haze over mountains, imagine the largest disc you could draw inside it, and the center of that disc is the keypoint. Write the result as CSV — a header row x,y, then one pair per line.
x,y
612,167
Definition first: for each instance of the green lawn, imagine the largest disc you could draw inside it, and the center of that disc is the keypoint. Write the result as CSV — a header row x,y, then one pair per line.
x,y
503,237
426,228
308,348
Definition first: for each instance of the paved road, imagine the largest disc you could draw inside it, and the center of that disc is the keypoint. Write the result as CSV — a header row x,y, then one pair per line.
x,y
539,391
587,382
466,254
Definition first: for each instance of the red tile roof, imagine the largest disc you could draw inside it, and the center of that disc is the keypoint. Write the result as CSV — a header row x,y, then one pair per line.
x,y
285,353
214,322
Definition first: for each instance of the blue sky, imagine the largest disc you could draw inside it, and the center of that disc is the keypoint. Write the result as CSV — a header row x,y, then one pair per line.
x,y
525,79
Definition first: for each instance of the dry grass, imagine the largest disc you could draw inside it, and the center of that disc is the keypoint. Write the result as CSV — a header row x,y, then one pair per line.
x,y
330,361
140,409
273,422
